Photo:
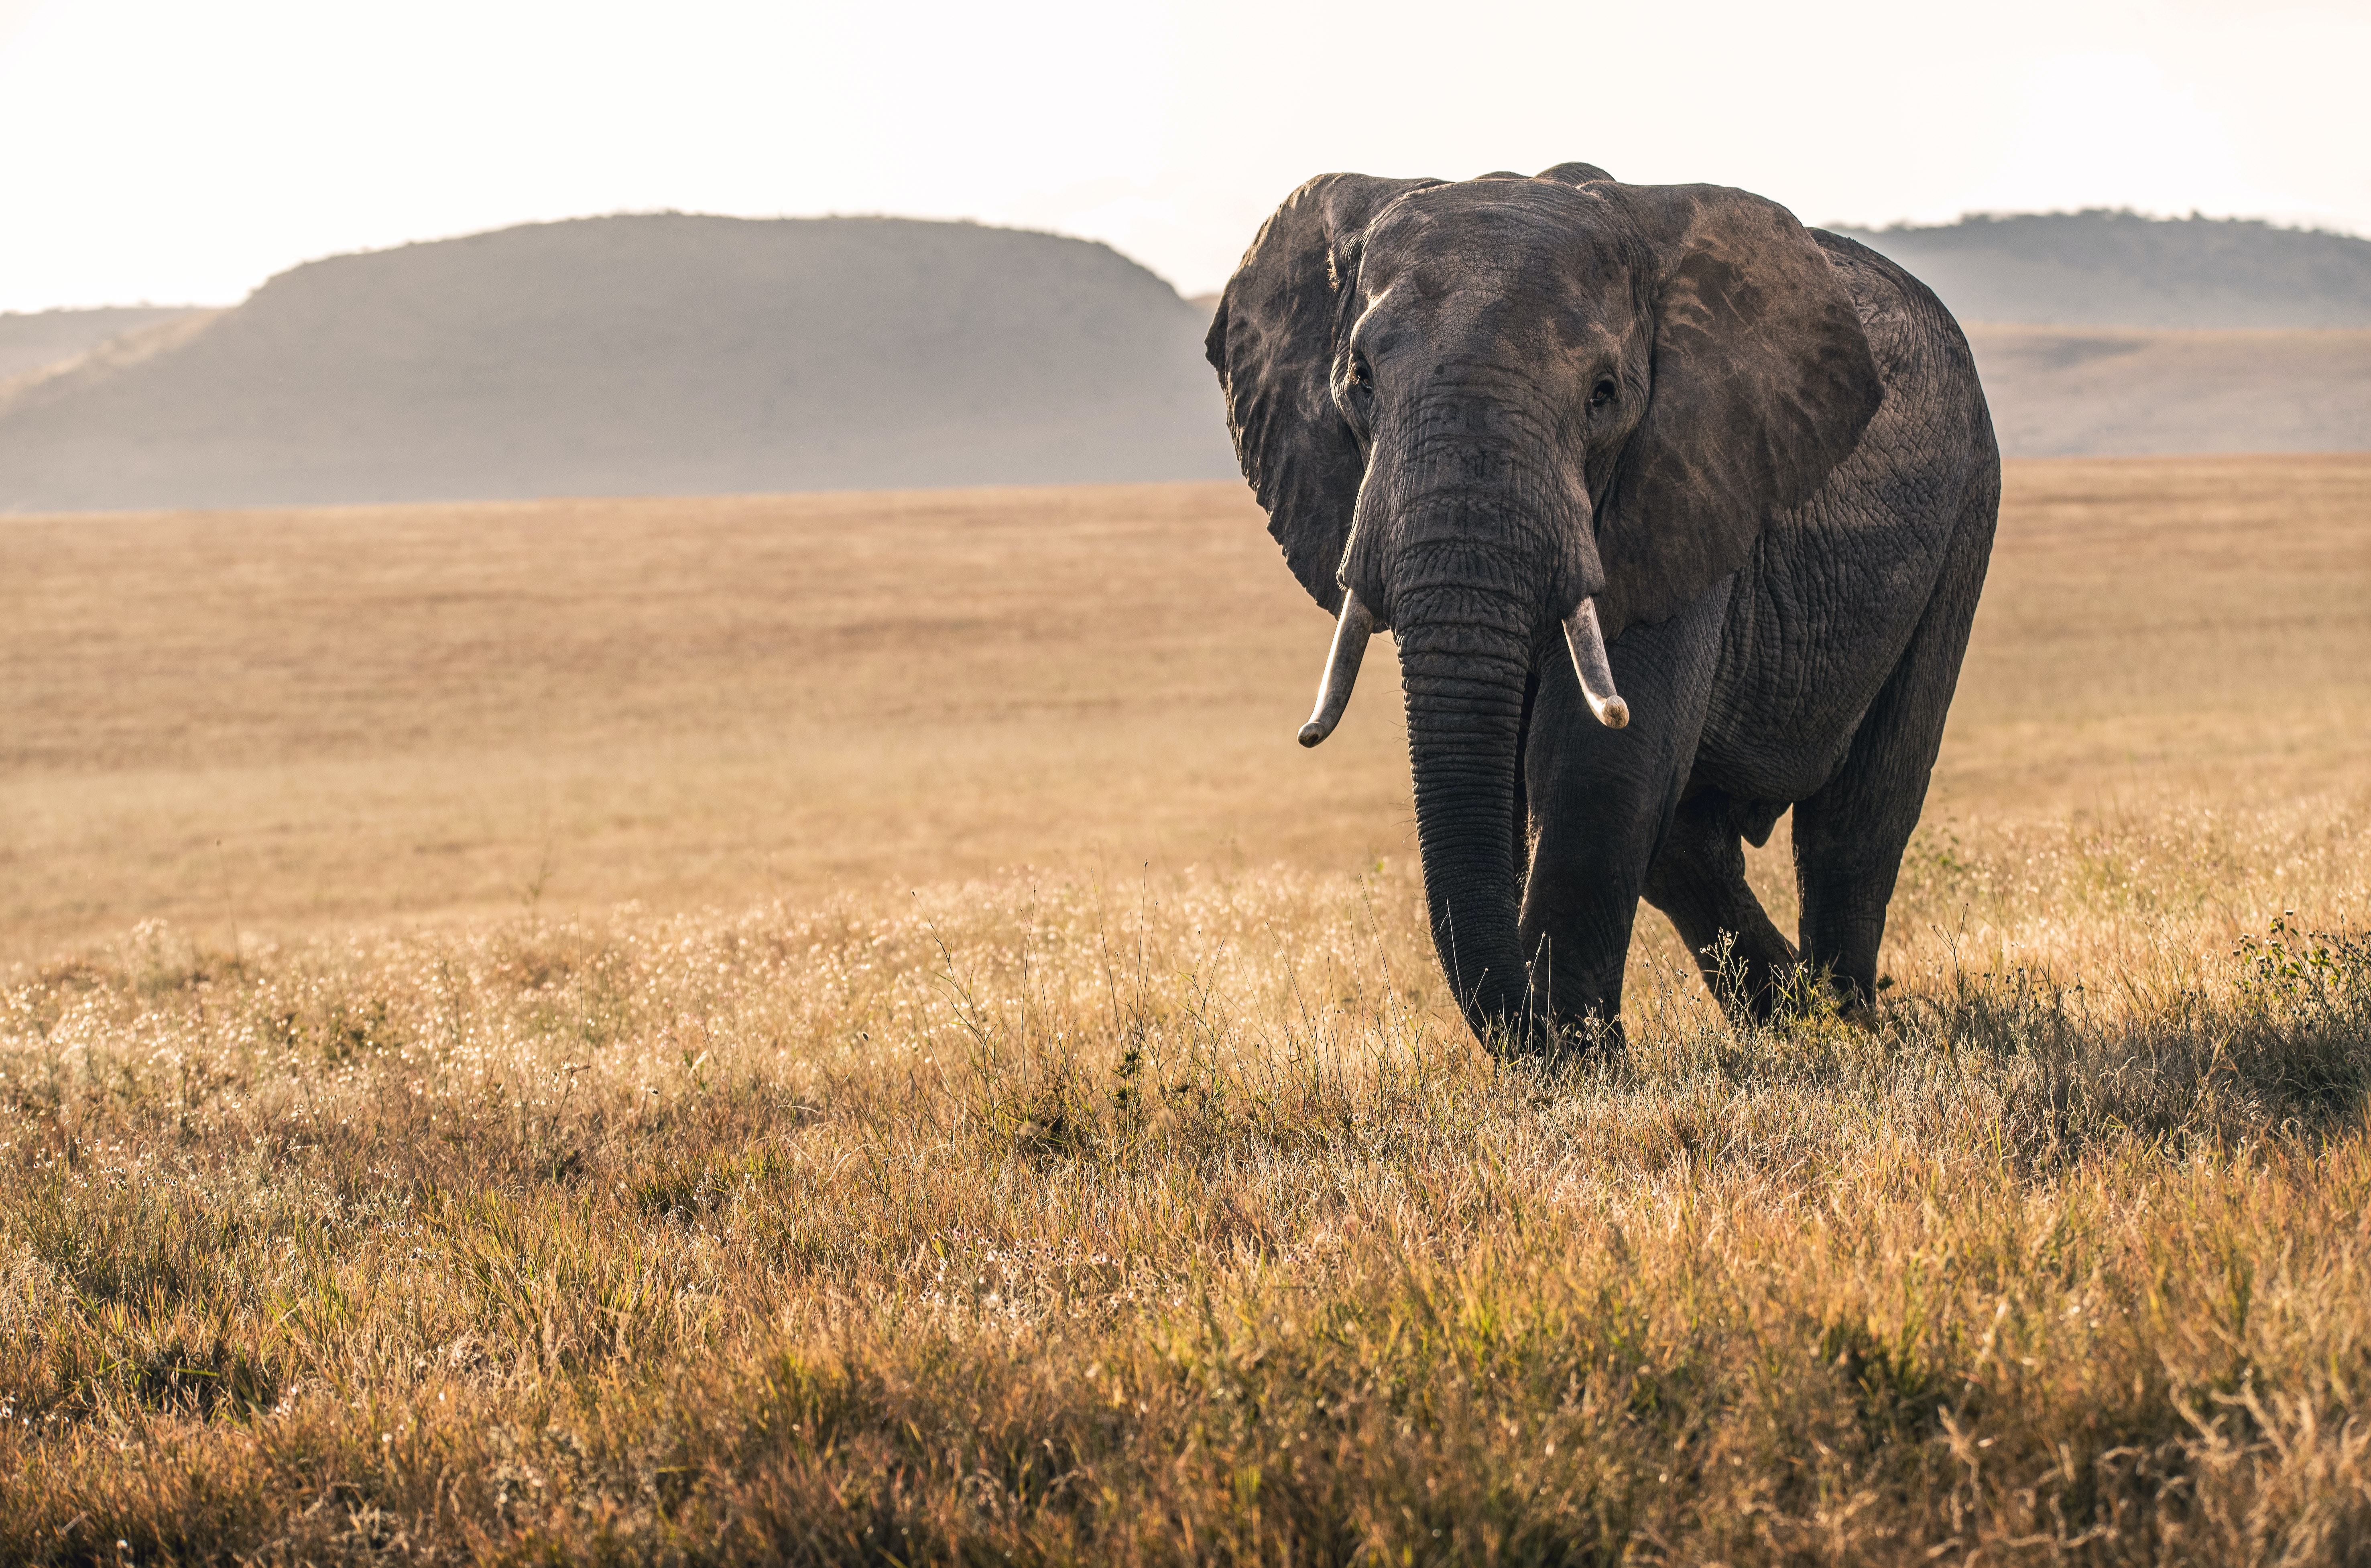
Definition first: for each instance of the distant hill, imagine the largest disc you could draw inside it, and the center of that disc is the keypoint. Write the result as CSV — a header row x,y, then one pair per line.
x,y
685,355
2104,392
647,354
2117,268
36,340
2100,391
2102,333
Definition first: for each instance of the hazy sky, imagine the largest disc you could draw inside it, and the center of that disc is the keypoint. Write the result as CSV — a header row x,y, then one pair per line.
x,y
184,150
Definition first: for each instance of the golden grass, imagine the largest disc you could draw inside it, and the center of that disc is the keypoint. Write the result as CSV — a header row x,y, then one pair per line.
x,y
425,712
1088,1222
357,715
1108,1212
2188,625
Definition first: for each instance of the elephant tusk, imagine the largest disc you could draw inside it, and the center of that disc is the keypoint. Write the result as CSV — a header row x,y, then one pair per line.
x,y
1587,640
1351,635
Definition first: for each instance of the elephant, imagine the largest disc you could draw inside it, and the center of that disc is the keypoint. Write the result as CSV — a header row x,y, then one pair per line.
x,y
1678,512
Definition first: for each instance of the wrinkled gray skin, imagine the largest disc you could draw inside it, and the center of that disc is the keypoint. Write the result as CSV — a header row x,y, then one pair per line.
x,y
1761,448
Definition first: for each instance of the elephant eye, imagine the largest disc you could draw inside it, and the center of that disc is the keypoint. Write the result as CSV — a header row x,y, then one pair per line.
x,y
1602,393
1360,373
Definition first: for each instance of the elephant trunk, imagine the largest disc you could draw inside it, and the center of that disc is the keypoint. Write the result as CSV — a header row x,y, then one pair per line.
x,y
1465,544
1464,680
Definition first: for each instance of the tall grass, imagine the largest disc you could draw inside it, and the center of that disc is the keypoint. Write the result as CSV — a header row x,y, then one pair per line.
x,y
1051,1220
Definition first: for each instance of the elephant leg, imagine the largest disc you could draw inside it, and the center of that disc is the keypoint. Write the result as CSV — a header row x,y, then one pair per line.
x,y
1600,802
1698,879
1849,837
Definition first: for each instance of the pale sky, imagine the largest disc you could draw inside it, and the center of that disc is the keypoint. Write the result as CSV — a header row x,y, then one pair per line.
x,y
185,150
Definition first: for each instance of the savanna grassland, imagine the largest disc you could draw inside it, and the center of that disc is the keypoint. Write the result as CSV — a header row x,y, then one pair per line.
x,y
1016,1117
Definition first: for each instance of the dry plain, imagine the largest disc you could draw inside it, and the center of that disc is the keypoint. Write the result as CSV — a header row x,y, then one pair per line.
x,y
280,720
843,1029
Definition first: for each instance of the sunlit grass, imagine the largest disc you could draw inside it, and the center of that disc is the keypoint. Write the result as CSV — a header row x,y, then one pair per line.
x,y
288,723
1176,1220
406,1198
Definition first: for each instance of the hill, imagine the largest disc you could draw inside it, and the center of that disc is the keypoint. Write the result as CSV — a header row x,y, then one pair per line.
x,y
670,354
2118,269
2106,333
640,354
2135,392
42,340
2103,391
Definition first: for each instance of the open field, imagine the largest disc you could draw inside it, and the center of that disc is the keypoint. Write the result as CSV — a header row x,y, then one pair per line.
x,y
416,713
1020,1120
427,710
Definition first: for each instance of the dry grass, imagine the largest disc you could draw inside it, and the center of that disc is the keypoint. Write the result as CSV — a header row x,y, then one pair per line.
x,y
435,711
2150,626
1097,1222
1113,1213
310,719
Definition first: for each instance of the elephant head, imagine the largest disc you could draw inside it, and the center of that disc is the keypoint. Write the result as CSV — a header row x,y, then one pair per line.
x,y
1485,413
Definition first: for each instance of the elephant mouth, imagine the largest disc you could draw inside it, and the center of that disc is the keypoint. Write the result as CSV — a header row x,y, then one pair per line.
x,y
1584,638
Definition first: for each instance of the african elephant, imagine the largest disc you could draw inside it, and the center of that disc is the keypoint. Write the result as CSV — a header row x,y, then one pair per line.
x,y
1678,511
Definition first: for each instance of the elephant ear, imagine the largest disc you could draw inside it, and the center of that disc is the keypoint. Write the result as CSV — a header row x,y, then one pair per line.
x,y
1763,382
1272,343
